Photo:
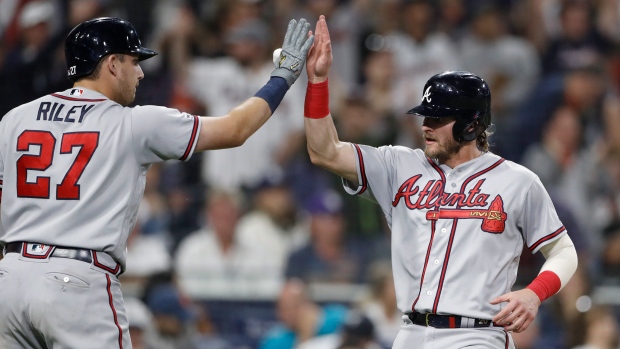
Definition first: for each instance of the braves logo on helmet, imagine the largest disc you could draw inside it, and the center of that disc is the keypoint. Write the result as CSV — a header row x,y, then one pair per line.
x,y
427,95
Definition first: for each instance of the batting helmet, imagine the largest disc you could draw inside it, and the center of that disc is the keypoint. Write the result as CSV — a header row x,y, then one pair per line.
x,y
457,94
89,41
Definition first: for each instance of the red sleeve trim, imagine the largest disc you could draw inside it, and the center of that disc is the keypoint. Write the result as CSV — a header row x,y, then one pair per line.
x,y
364,183
545,285
546,238
191,139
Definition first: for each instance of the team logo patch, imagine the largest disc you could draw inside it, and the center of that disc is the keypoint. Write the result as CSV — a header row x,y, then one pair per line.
x,y
493,219
37,249
76,92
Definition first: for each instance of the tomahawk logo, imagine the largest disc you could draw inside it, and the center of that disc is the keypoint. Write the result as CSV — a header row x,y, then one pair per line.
x,y
427,95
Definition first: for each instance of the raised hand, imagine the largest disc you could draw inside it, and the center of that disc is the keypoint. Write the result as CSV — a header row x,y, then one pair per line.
x,y
297,43
320,57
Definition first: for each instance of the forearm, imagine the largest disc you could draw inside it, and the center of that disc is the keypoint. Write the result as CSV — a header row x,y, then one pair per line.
x,y
324,147
323,142
234,128
557,270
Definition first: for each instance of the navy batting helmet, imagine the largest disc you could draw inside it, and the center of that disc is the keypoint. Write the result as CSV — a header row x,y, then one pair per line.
x,y
458,94
89,41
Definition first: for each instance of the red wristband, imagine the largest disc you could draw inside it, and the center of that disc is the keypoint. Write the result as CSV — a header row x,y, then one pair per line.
x,y
317,100
545,285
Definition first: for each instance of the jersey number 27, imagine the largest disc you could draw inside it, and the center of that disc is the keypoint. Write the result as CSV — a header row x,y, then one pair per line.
x,y
68,189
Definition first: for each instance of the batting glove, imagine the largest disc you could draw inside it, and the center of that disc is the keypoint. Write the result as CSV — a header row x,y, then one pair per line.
x,y
294,51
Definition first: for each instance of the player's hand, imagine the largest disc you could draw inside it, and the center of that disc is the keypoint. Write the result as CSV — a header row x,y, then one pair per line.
x,y
297,43
520,311
320,57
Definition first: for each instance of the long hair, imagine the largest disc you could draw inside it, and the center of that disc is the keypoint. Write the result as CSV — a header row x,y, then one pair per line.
x,y
482,141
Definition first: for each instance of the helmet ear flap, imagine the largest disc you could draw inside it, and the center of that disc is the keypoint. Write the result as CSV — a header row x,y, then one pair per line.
x,y
466,130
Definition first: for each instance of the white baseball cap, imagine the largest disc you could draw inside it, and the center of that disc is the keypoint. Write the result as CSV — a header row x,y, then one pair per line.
x,y
36,12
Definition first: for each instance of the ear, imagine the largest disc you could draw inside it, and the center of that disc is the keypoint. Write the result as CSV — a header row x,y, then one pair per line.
x,y
112,64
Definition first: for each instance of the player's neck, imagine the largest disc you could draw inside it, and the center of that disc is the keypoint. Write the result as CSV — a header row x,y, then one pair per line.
x,y
97,86
466,153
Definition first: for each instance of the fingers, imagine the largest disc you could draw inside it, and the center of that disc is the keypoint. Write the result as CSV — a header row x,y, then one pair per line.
x,y
503,313
300,34
292,25
520,323
309,42
322,24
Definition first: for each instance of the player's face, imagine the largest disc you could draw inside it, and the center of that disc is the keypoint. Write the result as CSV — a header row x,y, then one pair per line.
x,y
440,144
130,76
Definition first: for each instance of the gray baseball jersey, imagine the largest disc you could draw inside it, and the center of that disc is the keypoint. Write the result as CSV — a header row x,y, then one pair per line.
x,y
73,165
457,234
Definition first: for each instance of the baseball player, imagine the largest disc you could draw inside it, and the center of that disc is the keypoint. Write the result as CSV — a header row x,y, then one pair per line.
x,y
72,173
459,214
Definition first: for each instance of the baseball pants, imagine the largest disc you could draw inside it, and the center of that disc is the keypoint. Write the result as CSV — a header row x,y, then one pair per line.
x,y
60,303
426,337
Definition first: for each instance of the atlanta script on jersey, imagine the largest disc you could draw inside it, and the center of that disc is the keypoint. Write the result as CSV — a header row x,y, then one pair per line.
x,y
457,234
78,151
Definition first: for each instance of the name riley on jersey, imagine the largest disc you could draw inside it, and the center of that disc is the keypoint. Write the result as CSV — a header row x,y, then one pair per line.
x,y
49,111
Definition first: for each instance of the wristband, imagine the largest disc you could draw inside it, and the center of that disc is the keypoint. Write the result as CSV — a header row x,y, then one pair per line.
x,y
545,285
273,92
317,100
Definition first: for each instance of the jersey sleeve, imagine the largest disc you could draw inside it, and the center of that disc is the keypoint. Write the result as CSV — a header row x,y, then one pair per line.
x,y
162,134
375,173
539,222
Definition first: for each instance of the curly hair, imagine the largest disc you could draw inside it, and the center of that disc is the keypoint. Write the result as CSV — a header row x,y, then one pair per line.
x,y
482,141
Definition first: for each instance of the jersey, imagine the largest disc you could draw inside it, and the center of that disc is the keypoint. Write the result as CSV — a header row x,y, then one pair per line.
x,y
73,167
457,234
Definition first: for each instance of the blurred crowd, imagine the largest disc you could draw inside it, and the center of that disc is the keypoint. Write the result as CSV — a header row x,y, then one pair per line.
x,y
254,247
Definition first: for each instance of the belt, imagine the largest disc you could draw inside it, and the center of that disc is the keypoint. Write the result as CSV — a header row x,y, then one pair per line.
x,y
79,254
447,321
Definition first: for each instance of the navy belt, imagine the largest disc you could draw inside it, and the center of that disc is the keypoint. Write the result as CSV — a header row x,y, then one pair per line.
x,y
60,252
447,321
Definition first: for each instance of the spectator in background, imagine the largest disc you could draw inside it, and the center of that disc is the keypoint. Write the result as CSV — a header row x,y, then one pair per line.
x,y
347,20
600,330
141,325
581,90
357,332
301,319
35,66
146,255
222,83
328,257
563,164
272,225
380,307
452,18
213,263
419,52
579,44
378,90
610,257
173,317
509,64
